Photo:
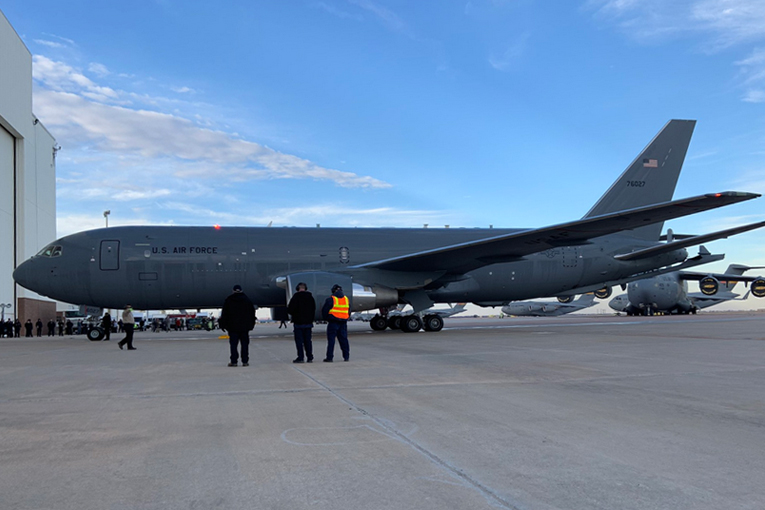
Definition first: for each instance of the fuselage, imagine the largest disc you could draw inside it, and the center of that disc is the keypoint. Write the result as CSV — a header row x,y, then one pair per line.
x,y
196,267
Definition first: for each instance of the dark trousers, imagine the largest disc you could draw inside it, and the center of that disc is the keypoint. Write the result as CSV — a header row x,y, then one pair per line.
x,y
234,339
303,339
129,329
339,330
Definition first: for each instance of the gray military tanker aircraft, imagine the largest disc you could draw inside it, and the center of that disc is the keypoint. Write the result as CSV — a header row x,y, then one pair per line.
x,y
668,293
617,241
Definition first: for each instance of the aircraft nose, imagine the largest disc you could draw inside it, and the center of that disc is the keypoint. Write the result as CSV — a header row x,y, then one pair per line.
x,y
23,275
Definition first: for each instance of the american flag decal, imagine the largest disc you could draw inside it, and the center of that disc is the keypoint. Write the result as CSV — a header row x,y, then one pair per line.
x,y
650,163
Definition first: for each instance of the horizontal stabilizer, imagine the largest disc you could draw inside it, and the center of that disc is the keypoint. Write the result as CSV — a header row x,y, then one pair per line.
x,y
471,255
690,241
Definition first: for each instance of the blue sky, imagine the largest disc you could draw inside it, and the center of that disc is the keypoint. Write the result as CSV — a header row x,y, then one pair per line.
x,y
516,113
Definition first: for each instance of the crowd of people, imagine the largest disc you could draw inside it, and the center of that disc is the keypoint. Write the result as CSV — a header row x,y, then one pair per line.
x,y
237,318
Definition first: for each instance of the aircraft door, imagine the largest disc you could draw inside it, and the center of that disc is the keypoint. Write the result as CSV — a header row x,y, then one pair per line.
x,y
110,256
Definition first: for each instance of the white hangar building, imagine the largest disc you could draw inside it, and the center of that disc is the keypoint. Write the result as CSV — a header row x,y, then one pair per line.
x,y
27,179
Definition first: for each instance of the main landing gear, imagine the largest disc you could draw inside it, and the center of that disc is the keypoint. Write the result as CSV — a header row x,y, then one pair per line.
x,y
408,323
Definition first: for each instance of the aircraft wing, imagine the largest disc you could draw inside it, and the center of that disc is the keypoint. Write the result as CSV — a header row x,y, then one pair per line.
x,y
721,277
465,257
688,241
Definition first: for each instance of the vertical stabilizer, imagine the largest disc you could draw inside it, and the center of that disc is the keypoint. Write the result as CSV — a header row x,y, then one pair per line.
x,y
651,178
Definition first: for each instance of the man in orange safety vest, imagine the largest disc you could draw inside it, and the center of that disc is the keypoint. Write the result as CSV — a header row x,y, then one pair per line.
x,y
336,311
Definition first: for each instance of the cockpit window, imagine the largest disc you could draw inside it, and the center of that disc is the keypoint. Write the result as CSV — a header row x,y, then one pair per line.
x,y
50,251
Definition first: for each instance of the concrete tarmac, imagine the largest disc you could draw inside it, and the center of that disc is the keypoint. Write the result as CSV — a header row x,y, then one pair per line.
x,y
550,413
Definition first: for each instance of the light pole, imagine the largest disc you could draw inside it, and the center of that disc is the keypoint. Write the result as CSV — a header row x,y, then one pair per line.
x,y
4,306
106,217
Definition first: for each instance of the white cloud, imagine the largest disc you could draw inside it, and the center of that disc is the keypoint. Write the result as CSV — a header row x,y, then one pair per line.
x,y
723,22
385,15
99,70
152,134
507,59
182,90
62,77
732,21
83,112
335,11
720,24
753,75
50,44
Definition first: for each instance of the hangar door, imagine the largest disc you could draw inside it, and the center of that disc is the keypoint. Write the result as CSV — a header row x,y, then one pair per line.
x,y
110,255
7,167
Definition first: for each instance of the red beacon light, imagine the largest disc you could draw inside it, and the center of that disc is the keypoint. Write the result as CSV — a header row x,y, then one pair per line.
x,y
216,226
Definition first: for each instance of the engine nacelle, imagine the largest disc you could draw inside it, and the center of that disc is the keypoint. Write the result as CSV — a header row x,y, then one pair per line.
x,y
758,287
709,285
603,293
369,298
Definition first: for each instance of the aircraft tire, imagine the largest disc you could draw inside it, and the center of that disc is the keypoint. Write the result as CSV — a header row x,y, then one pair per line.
x,y
394,322
378,323
96,334
411,324
433,323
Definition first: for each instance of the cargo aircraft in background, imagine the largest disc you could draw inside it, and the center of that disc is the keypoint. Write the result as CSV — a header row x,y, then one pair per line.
x,y
668,293
616,242
549,308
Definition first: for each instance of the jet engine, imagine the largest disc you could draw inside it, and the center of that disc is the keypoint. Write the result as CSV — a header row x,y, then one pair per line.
x,y
758,287
320,285
709,285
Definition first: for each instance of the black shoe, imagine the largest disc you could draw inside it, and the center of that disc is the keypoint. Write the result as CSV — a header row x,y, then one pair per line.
x,y
297,360
245,364
327,360
120,346
232,364
309,360
132,349
345,359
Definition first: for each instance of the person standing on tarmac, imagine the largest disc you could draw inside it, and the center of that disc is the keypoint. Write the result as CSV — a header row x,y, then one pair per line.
x,y
336,311
106,325
238,318
302,308
128,322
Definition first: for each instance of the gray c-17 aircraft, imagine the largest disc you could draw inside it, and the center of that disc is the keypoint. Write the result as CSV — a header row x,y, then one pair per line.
x,y
617,241
548,308
668,293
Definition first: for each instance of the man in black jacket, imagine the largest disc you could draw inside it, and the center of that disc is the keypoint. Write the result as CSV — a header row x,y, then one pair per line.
x,y
302,308
238,318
